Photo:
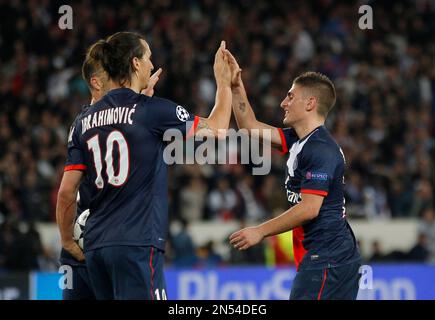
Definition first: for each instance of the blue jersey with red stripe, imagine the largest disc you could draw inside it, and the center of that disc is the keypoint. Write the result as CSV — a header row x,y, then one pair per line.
x,y
316,165
118,143
83,200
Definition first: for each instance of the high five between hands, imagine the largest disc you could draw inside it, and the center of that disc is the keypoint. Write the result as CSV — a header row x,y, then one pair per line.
x,y
226,69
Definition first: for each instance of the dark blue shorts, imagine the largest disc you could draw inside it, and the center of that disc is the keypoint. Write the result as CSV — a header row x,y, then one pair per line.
x,y
127,272
81,288
338,283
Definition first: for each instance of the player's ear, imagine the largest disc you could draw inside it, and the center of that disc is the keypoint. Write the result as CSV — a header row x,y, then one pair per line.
x,y
311,103
135,63
96,83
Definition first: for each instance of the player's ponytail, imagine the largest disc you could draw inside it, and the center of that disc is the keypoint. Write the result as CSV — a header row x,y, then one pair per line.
x,y
93,61
117,55
96,51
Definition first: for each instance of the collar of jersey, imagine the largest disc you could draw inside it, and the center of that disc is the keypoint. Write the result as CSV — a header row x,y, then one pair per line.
x,y
309,134
120,90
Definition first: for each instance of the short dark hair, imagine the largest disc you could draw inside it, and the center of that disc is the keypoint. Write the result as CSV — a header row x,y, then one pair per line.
x,y
117,53
92,65
321,87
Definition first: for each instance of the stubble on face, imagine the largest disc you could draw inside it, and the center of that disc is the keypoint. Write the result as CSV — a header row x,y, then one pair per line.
x,y
146,64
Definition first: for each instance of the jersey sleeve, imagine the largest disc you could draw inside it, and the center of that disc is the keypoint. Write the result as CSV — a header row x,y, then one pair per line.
x,y
288,137
319,163
169,115
75,158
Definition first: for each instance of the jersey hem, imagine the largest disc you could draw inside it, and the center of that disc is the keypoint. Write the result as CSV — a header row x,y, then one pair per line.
x,y
70,167
329,265
192,129
132,244
313,191
284,147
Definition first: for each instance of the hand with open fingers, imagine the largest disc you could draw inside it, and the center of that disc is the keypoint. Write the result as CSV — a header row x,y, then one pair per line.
x,y
149,91
73,248
246,238
221,67
236,72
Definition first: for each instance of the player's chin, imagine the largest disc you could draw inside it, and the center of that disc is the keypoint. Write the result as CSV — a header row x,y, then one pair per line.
x,y
286,121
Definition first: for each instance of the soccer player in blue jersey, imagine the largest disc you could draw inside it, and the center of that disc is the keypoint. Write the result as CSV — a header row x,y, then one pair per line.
x,y
98,84
325,250
97,81
117,147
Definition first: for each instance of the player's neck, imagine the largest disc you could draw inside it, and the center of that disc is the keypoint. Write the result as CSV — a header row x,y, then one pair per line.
x,y
96,96
134,85
306,127
113,85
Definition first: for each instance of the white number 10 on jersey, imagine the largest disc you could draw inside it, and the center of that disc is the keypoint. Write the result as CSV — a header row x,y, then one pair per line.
x,y
115,179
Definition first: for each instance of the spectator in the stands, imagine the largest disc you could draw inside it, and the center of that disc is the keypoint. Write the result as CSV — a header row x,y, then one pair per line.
x,y
419,252
222,200
427,228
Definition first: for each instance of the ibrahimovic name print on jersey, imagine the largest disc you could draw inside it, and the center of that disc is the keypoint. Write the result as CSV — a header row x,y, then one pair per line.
x,y
118,143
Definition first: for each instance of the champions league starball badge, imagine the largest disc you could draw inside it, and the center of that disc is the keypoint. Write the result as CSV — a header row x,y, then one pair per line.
x,y
182,113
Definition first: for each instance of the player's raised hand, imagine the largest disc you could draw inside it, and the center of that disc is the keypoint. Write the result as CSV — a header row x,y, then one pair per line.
x,y
236,72
221,67
246,238
73,248
149,91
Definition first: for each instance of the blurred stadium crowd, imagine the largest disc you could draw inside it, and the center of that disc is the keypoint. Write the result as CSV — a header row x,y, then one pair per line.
x,y
383,119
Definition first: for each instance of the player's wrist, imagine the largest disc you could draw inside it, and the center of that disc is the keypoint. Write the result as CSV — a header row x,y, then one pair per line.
x,y
67,241
237,86
223,84
236,89
261,231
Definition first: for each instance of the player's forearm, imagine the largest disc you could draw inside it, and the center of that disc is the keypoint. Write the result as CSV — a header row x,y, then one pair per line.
x,y
243,112
220,115
65,214
246,119
290,219
219,119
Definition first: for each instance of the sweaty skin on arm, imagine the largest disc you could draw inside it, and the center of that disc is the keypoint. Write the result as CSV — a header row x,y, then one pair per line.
x,y
296,216
219,118
66,211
